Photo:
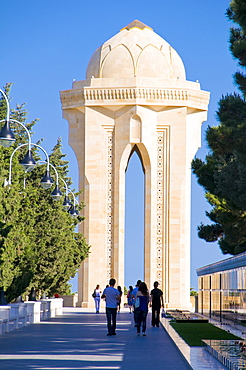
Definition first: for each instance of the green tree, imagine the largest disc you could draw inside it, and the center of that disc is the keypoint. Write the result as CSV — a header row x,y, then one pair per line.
x,y
60,249
193,292
223,173
38,244
12,237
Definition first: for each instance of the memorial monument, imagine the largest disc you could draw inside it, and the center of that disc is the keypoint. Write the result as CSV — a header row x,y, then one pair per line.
x,y
136,98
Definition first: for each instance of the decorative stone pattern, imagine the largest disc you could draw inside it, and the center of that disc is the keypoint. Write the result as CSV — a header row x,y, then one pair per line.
x,y
110,198
159,207
133,93
162,208
88,95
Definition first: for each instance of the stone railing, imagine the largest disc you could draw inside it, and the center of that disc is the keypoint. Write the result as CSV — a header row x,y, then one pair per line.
x,y
16,315
135,95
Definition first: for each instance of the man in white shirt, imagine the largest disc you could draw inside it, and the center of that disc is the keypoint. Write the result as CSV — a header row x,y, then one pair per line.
x,y
111,296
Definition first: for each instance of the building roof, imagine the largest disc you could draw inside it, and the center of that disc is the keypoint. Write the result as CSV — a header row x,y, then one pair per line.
x,y
136,51
224,265
136,24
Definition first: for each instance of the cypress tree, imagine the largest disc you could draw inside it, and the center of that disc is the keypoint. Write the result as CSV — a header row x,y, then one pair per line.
x,y
223,173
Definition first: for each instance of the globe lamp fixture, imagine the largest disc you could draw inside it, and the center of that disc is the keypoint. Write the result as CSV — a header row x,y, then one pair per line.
x,y
73,212
28,162
66,204
7,137
46,181
56,193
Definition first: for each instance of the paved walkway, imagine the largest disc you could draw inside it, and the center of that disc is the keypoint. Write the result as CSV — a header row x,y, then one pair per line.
x,y
77,340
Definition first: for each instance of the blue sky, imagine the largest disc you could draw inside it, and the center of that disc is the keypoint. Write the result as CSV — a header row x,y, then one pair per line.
x,y
45,44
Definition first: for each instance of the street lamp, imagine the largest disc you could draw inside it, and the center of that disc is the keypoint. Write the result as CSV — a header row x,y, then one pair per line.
x,y
7,137
66,204
6,134
46,181
28,165
28,162
73,210
56,193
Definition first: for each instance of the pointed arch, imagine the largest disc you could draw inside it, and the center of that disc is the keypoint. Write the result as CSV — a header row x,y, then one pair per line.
x,y
135,148
152,63
118,63
141,151
134,215
144,157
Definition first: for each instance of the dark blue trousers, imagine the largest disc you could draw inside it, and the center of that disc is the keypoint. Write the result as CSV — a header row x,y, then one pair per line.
x,y
111,318
141,319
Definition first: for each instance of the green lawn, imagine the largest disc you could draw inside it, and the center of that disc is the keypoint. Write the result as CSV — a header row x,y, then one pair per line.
x,y
193,333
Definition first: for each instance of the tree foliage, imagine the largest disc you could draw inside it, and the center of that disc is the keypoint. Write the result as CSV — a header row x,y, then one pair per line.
x,y
39,246
223,173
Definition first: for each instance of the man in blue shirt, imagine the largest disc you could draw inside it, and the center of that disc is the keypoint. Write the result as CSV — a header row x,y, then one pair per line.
x,y
111,296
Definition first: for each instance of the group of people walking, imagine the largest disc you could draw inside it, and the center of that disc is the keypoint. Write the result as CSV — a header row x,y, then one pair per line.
x,y
139,299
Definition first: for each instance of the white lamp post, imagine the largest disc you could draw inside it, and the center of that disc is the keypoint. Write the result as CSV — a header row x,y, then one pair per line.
x,y
56,194
27,165
66,204
7,137
73,210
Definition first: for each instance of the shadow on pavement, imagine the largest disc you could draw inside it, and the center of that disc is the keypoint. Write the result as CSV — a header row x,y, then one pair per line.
x,y
77,340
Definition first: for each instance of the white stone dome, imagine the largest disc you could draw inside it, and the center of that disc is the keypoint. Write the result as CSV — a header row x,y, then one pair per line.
x,y
136,51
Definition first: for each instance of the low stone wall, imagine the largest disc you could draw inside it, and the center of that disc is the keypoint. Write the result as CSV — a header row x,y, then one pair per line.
x,y
70,300
15,315
194,303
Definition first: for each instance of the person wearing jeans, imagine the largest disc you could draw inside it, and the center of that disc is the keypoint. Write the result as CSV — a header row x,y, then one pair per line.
x,y
111,319
141,318
111,296
142,309
97,297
